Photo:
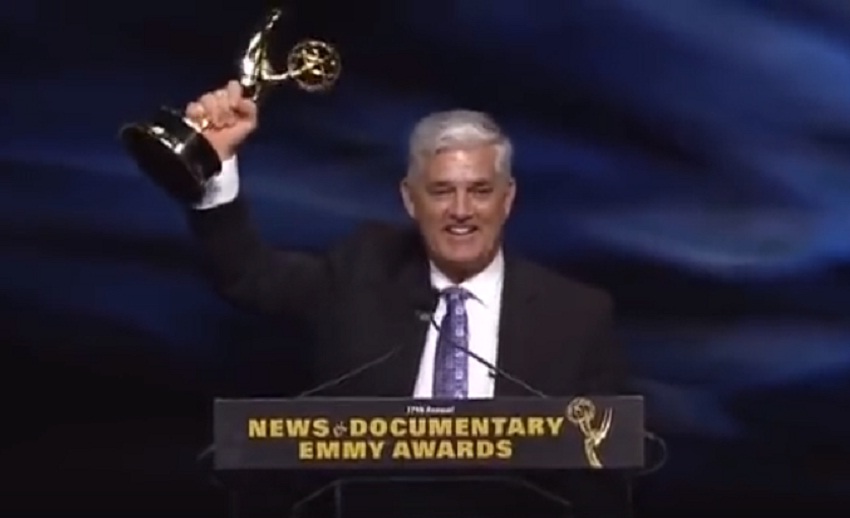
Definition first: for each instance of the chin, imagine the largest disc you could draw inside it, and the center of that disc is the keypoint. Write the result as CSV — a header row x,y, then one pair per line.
x,y
461,253
464,261
470,255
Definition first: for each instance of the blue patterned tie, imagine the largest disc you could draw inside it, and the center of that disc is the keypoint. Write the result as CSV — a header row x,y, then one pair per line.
x,y
450,367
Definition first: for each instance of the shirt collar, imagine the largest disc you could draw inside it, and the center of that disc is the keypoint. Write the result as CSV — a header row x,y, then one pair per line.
x,y
485,286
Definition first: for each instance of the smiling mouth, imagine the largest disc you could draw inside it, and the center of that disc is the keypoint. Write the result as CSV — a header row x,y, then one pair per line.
x,y
460,230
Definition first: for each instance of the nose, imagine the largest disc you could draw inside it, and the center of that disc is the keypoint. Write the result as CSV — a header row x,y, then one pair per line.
x,y
461,208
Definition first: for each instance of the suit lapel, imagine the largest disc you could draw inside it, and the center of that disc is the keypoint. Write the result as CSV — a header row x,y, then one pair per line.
x,y
515,354
413,300
410,296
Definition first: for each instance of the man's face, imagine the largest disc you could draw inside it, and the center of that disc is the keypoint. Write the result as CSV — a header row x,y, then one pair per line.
x,y
461,204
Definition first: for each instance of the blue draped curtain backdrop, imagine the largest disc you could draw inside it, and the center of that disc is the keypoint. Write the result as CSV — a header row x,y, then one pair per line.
x,y
692,156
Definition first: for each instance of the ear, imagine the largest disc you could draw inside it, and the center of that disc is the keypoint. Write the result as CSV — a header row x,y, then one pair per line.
x,y
407,197
510,194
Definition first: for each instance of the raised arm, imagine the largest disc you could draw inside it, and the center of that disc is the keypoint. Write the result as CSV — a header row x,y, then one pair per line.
x,y
250,274
242,267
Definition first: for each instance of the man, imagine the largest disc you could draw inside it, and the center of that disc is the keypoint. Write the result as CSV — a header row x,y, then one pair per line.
x,y
378,294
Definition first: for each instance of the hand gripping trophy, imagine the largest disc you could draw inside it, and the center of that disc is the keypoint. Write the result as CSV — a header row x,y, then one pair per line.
x,y
172,149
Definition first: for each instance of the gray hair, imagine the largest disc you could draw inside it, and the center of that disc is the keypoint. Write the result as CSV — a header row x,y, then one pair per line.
x,y
456,129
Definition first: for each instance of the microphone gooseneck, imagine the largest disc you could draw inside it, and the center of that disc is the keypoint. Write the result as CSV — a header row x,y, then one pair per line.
x,y
426,304
492,368
650,436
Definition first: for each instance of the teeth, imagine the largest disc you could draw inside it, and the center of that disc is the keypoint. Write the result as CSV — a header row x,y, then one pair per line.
x,y
460,231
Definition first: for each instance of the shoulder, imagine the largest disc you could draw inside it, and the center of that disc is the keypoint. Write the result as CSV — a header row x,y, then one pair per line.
x,y
380,239
559,290
375,248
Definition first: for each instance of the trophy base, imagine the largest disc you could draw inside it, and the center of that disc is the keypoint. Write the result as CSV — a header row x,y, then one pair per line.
x,y
172,153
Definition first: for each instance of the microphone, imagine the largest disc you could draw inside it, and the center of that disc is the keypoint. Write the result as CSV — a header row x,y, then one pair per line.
x,y
650,436
494,370
333,382
425,303
351,373
329,384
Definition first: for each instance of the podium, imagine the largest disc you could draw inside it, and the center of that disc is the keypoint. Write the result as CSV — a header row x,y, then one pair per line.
x,y
487,458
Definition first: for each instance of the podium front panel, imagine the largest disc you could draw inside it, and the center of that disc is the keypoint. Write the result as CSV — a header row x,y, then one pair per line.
x,y
407,434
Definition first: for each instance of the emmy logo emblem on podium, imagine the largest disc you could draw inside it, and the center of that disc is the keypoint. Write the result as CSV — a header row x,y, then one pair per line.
x,y
581,412
172,150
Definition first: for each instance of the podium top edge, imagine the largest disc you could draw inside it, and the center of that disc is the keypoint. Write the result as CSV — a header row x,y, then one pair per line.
x,y
271,399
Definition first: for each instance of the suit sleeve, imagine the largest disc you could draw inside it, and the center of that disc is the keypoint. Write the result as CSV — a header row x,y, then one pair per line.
x,y
602,493
250,274
604,366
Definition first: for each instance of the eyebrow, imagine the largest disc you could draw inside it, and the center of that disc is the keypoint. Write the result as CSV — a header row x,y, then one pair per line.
x,y
446,183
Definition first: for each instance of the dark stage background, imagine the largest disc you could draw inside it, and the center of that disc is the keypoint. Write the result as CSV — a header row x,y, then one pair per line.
x,y
693,156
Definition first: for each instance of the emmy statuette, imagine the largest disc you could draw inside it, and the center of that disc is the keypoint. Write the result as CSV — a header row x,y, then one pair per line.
x,y
171,149
582,413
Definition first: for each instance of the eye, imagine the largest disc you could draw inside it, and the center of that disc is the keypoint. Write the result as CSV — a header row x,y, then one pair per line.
x,y
440,189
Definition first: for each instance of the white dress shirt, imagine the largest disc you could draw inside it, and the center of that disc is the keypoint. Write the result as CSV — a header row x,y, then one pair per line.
x,y
223,187
483,307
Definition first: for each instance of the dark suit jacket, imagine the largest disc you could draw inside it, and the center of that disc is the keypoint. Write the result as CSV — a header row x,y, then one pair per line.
x,y
360,300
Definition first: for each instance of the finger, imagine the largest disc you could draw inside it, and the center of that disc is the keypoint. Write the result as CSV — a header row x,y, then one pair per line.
x,y
234,93
209,107
215,108
195,112
246,108
228,117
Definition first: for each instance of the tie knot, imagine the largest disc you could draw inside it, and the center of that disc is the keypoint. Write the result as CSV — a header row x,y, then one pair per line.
x,y
455,294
